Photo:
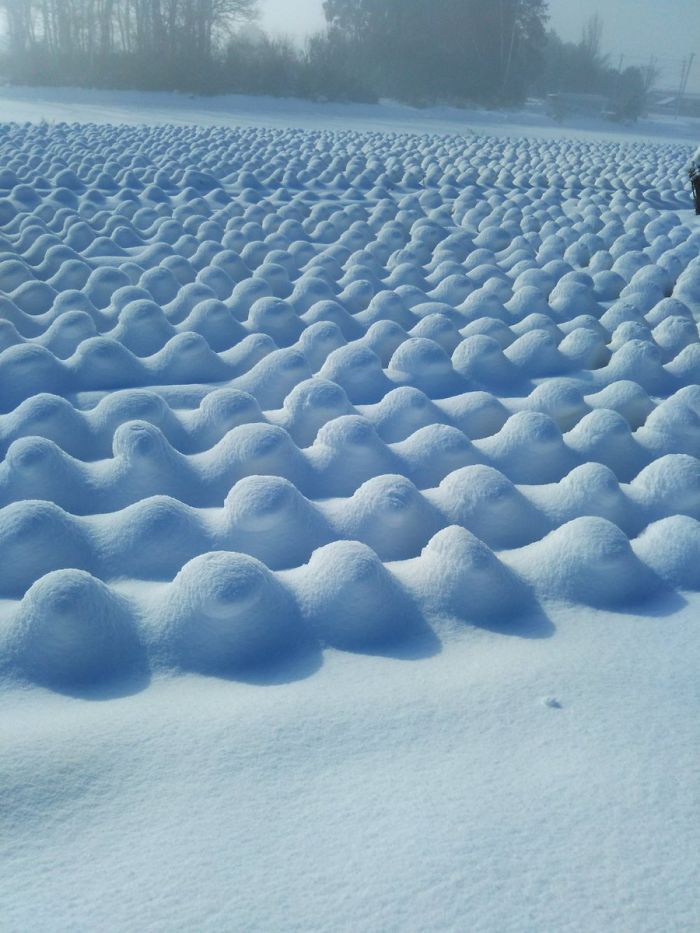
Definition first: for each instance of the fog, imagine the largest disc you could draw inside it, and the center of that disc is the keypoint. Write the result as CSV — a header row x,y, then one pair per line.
x,y
616,61
295,18
668,30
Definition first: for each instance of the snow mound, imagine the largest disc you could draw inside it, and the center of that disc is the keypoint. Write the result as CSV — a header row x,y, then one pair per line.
x,y
671,547
263,391
351,600
227,614
72,632
588,560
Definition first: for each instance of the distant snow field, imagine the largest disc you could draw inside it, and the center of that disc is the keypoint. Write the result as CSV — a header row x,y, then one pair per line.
x,y
350,531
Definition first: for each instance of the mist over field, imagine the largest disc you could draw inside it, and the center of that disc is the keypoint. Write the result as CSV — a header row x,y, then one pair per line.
x,y
349,466
420,52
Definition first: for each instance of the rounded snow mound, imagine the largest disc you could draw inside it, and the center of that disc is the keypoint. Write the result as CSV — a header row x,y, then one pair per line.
x,y
458,576
671,547
226,613
352,601
71,632
588,560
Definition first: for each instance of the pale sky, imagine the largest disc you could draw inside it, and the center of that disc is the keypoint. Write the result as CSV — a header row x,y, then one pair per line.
x,y
668,29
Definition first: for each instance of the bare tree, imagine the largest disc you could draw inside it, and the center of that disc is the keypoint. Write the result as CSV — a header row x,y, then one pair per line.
x,y
148,28
592,40
19,19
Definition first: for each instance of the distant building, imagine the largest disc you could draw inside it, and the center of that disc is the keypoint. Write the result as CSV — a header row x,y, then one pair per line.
x,y
665,101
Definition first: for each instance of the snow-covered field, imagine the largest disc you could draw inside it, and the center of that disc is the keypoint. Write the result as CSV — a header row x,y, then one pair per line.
x,y
19,104
350,531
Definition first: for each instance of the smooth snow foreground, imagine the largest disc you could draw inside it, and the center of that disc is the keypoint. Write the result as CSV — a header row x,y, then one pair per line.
x,y
395,439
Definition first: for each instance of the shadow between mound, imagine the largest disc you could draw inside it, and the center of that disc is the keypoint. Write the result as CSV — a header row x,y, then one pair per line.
x,y
643,594
409,638
276,670
284,663
533,623
659,604
422,643
513,610
115,688
665,604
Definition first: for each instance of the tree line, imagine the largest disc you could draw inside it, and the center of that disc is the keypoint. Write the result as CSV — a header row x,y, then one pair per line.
x,y
140,43
492,52
582,68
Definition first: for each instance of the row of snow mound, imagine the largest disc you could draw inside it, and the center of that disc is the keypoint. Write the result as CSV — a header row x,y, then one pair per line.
x,y
645,430
115,159
441,362
268,391
89,435
348,451
228,614
267,517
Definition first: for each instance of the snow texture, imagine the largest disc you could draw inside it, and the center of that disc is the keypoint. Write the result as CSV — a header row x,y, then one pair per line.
x,y
329,389
274,396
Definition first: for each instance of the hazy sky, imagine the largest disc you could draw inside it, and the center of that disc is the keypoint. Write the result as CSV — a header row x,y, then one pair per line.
x,y
668,29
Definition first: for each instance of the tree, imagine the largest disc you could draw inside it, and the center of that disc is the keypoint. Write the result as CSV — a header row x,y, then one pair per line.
x,y
71,39
421,51
444,49
19,19
579,67
591,42
631,95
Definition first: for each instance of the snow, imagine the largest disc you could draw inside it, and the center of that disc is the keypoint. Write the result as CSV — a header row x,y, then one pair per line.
x,y
350,522
395,794
84,105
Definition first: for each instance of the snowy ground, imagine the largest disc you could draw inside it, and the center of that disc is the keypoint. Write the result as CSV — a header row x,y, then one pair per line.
x,y
350,524
377,795
78,104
